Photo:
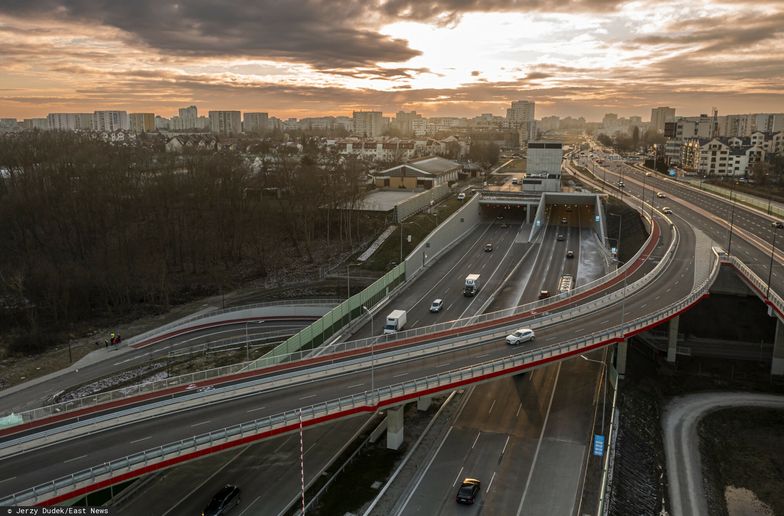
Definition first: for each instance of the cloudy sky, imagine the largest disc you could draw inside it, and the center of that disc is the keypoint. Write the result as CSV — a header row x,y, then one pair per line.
x,y
296,58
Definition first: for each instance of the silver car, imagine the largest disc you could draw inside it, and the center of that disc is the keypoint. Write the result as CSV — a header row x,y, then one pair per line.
x,y
520,336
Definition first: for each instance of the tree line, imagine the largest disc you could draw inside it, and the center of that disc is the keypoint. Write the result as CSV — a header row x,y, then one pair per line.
x,y
88,228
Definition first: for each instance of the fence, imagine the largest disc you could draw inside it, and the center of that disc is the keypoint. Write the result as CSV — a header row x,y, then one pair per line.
x,y
420,202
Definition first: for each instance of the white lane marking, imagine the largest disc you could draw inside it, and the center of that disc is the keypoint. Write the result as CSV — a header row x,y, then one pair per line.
x,y
475,440
491,483
398,375
308,396
458,476
415,323
6,480
518,409
483,355
256,409
643,306
505,444
75,458
446,364
579,330
539,442
251,505
205,422
142,439
450,306
355,385
491,407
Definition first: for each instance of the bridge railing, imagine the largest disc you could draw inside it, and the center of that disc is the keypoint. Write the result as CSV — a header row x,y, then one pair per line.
x,y
758,283
180,451
536,308
220,311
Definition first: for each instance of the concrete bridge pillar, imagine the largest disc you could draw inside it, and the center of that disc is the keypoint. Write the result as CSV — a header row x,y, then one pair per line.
x,y
395,427
620,358
777,366
423,403
672,341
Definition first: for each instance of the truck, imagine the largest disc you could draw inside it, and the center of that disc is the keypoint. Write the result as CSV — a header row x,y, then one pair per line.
x,y
566,284
471,285
395,322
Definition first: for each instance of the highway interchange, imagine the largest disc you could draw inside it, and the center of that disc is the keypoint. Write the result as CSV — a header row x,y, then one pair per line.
x,y
563,389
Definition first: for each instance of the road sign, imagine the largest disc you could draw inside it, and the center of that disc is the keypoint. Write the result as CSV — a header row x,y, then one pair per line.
x,y
598,445
597,218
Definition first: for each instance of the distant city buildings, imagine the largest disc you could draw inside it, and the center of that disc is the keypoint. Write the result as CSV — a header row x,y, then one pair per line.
x,y
70,121
255,122
660,116
142,122
368,123
188,117
110,121
521,117
225,122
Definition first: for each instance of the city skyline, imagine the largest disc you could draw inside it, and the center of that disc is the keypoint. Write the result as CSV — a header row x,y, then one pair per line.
x,y
582,58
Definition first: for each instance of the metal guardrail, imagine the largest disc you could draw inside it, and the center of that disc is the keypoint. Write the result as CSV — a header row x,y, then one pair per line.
x,y
220,311
260,363
180,450
758,283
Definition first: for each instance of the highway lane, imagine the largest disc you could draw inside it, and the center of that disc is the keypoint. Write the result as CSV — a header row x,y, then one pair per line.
x,y
132,438
542,456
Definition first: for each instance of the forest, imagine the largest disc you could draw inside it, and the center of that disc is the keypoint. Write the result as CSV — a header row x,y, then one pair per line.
x,y
90,229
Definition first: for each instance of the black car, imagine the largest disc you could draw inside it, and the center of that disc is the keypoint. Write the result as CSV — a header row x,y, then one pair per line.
x,y
468,491
223,501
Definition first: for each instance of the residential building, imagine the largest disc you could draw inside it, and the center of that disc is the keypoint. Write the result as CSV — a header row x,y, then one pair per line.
x,y
8,125
722,156
162,124
142,122
225,122
188,117
110,121
521,117
543,167
420,174
660,116
368,123
403,121
40,124
550,123
255,122
69,121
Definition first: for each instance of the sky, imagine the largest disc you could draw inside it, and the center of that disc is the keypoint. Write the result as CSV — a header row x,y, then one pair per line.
x,y
297,58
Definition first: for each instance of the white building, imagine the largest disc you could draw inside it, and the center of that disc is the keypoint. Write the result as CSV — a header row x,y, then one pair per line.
x,y
660,116
255,122
29,124
111,121
521,116
225,122
543,167
404,121
142,122
69,121
723,157
188,117
368,123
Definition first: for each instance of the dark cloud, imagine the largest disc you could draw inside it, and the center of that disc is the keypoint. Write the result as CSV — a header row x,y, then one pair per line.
x,y
322,33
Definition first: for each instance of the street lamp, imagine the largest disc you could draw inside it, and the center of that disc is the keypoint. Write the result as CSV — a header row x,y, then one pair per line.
x,y
247,339
603,363
618,263
776,227
732,219
372,347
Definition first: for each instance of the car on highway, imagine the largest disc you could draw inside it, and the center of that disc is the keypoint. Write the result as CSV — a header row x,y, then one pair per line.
x,y
777,224
620,184
468,491
461,196
563,220
514,180
661,195
544,294
520,336
436,306
648,174
223,501
570,254
667,210
488,247
560,237
504,225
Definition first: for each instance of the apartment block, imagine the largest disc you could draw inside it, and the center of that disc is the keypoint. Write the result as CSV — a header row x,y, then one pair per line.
x,y
142,122
225,122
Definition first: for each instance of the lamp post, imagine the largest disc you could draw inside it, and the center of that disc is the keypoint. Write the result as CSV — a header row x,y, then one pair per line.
x,y
732,219
618,263
372,348
603,363
247,339
776,227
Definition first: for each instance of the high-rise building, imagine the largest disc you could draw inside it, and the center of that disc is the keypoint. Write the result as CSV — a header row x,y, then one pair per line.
x,y
403,121
225,122
162,123
8,125
660,116
188,117
543,167
69,121
142,122
368,123
521,117
29,124
110,121
255,122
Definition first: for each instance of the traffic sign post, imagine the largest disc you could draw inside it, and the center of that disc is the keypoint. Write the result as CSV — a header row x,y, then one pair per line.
x,y
598,445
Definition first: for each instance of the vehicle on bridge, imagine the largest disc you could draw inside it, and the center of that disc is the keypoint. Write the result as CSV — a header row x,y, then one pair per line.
x,y
436,306
396,320
471,285
667,210
566,284
661,195
520,336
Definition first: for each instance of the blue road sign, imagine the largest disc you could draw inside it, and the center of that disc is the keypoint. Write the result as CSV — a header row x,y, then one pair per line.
x,y
598,445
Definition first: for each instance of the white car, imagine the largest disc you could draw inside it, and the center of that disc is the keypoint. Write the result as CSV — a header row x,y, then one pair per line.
x,y
661,195
667,210
461,196
437,305
520,336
